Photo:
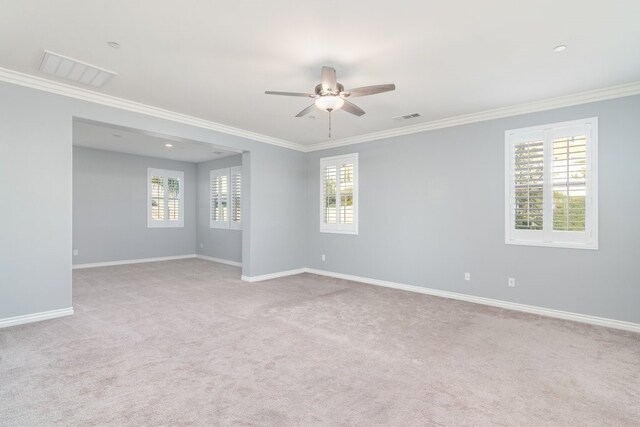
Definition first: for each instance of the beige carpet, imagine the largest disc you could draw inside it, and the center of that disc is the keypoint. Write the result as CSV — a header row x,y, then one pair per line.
x,y
187,343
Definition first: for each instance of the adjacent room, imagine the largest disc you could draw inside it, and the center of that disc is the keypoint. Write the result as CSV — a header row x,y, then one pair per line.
x,y
140,196
292,214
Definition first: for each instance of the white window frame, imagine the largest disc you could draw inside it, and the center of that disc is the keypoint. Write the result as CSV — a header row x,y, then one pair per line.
x,y
587,239
229,223
166,222
338,161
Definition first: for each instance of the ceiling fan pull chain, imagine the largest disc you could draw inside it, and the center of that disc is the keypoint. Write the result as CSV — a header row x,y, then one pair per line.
x,y
329,123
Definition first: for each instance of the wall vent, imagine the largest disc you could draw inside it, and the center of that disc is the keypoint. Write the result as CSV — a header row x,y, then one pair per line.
x,y
407,116
74,70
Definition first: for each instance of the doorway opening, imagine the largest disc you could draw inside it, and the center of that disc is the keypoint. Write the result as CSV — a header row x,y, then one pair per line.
x,y
140,196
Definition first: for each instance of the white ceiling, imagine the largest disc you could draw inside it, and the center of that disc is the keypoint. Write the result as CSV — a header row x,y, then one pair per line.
x,y
214,60
131,141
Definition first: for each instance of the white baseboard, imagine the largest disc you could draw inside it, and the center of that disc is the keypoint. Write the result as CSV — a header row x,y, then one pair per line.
x,y
220,260
35,317
131,261
566,315
273,275
559,314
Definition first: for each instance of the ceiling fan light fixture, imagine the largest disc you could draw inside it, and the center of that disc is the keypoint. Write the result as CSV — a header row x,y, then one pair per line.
x,y
329,103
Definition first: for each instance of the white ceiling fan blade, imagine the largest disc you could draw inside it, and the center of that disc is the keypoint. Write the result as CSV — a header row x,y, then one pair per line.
x,y
305,95
352,108
305,111
328,79
369,90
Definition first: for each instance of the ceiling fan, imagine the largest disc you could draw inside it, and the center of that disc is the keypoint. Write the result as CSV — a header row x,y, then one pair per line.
x,y
331,96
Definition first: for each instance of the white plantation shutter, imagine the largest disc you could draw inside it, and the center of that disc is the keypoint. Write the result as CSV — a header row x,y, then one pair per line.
x,y
551,191
219,198
174,202
226,198
157,198
346,193
215,198
235,219
329,180
569,183
339,194
529,184
165,198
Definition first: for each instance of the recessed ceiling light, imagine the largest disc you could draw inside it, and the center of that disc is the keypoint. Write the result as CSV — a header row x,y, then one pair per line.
x,y
560,48
114,45
168,145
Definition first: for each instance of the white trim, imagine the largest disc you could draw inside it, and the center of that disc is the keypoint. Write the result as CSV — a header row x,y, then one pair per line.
x,y
576,317
219,260
586,97
273,275
35,317
132,261
34,82
548,312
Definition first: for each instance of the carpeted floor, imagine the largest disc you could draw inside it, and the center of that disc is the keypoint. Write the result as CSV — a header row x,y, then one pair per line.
x,y
187,343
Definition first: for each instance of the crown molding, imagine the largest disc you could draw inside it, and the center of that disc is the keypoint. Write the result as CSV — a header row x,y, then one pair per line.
x,y
39,83
497,113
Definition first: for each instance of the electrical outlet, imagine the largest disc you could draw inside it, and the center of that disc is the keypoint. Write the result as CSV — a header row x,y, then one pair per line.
x,y
201,245
324,258
512,282
75,252
467,276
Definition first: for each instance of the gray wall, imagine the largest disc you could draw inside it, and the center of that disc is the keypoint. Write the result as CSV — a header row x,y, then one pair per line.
x,y
431,244
278,184
36,178
110,208
432,207
216,242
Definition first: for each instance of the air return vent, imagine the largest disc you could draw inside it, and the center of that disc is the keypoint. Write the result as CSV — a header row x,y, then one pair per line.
x,y
407,116
74,70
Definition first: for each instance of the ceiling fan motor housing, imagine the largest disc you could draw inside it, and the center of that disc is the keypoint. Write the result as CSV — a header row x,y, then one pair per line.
x,y
320,92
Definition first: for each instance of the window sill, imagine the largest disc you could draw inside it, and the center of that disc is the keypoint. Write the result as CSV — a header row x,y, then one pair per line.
x,y
339,231
223,227
562,245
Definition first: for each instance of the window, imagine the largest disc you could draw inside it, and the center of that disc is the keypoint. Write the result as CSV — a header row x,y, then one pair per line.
x,y
226,198
339,194
165,205
552,185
